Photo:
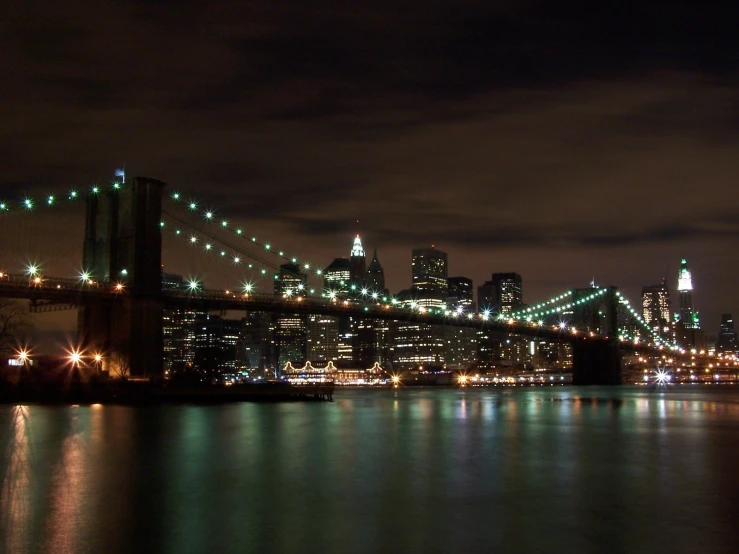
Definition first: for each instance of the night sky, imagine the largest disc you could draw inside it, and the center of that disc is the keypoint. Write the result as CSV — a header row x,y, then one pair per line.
x,y
595,140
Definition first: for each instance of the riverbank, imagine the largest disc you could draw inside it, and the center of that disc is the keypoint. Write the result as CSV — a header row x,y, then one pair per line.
x,y
124,392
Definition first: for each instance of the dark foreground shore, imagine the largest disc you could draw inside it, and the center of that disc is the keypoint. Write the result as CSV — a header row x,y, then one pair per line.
x,y
137,393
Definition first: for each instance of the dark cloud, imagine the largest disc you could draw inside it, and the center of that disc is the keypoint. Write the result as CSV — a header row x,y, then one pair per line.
x,y
559,141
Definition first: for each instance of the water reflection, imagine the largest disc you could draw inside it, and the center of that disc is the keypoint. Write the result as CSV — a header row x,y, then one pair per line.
x,y
397,471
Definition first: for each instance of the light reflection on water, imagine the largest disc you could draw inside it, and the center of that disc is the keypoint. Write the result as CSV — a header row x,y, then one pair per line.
x,y
406,470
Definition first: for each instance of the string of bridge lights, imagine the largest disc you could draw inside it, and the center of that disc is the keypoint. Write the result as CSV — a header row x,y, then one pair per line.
x,y
29,203
530,314
529,311
209,215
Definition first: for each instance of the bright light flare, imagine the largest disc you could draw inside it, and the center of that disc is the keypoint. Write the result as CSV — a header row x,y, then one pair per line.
x,y
75,357
193,285
662,377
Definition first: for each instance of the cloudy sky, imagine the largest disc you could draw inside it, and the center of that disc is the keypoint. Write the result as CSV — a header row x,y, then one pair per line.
x,y
566,143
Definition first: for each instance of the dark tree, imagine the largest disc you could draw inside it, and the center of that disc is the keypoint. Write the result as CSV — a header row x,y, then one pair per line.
x,y
15,322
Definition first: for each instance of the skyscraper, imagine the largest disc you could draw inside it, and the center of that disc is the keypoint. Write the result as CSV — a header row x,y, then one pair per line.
x,y
486,296
509,292
459,294
429,277
290,329
376,276
656,307
323,338
336,278
727,339
357,265
687,316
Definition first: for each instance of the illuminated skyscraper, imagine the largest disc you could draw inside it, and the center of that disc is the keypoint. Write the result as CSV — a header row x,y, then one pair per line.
x,y
290,329
509,292
336,278
357,265
687,316
323,338
429,274
656,307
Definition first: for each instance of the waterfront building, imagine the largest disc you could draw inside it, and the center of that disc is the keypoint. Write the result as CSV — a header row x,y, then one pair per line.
x,y
460,349
178,330
258,341
417,344
216,344
290,330
322,339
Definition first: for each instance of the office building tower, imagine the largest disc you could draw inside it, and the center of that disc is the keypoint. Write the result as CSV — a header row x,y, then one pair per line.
x,y
290,330
429,277
656,309
727,339
687,315
178,331
461,347
417,345
508,292
322,339
337,278
460,294
357,266
216,344
375,277
290,281
486,297
258,342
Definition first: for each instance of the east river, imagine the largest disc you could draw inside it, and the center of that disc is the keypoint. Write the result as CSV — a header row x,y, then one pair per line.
x,y
554,469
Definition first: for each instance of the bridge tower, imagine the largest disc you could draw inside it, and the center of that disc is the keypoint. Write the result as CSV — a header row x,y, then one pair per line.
x,y
123,243
597,362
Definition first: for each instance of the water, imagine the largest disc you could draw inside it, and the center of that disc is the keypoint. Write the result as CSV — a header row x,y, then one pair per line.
x,y
477,470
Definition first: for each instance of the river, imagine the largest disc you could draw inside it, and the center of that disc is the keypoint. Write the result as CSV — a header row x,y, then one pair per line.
x,y
540,469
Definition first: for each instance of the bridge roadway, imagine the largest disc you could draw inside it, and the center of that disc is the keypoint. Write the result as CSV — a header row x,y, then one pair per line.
x,y
75,292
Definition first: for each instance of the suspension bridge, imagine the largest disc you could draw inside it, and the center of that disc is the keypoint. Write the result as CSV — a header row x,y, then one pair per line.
x,y
120,299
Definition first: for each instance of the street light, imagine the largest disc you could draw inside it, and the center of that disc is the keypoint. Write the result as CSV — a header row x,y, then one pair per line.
x,y
98,357
75,357
23,358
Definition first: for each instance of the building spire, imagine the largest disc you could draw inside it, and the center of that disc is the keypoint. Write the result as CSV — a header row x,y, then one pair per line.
x,y
357,249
